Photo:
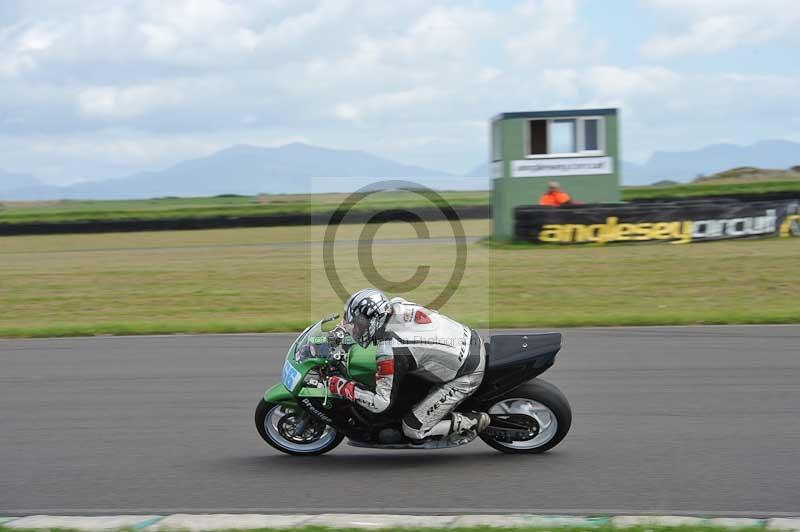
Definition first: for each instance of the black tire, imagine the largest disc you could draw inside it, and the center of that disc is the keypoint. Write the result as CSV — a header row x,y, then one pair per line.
x,y
263,409
547,394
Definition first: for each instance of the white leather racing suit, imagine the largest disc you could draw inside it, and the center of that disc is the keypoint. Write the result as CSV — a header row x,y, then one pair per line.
x,y
422,342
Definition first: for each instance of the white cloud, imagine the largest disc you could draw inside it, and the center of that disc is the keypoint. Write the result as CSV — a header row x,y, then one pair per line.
x,y
36,39
20,46
125,102
618,82
715,26
414,80
547,32
14,65
159,39
188,33
347,111
378,103
437,45
488,74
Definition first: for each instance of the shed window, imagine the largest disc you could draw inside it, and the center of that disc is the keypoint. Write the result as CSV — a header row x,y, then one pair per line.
x,y
538,130
590,135
565,136
562,136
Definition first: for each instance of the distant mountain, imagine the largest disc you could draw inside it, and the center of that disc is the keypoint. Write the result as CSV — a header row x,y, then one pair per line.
x,y
482,170
243,169
687,165
301,168
9,181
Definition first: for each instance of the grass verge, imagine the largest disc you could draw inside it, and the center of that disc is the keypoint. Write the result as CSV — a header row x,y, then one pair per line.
x,y
276,279
172,208
595,528
709,189
500,322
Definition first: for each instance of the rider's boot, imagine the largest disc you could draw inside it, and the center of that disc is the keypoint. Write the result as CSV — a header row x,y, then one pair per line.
x,y
460,428
468,422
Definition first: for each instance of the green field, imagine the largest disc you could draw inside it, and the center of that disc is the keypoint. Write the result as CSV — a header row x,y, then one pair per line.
x,y
709,189
560,528
169,208
270,279
163,208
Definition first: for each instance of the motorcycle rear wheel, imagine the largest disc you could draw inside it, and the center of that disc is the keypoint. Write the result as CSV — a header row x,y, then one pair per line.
x,y
273,422
540,400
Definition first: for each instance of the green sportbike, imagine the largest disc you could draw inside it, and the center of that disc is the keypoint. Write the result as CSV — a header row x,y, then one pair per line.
x,y
300,417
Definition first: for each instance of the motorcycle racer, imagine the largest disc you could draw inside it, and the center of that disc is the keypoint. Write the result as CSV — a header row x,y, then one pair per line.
x,y
414,340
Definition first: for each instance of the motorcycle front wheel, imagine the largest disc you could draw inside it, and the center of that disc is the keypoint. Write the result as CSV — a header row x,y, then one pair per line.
x,y
292,432
542,402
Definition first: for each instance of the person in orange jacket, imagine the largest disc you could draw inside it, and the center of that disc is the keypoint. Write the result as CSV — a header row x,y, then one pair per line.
x,y
554,197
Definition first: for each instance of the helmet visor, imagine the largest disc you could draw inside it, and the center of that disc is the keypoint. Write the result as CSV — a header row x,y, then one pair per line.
x,y
360,330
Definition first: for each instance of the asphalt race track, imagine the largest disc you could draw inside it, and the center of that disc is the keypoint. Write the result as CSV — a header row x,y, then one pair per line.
x,y
666,420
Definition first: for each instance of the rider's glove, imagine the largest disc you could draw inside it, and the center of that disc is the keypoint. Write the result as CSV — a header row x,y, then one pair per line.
x,y
336,336
341,387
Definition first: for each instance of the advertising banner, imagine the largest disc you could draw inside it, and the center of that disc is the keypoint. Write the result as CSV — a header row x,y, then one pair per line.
x,y
679,222
547,167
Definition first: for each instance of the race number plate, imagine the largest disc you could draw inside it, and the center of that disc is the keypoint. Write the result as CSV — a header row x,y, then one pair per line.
x,y
291,377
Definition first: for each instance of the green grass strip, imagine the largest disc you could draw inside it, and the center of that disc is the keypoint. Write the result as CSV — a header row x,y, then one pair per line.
x,y
593,527
235,206
612,319
692,190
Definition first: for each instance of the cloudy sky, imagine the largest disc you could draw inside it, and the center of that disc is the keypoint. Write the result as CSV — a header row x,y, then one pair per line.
x,y
93,89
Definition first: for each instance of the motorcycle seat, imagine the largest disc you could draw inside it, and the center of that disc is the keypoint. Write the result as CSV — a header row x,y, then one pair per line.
x,y
504,350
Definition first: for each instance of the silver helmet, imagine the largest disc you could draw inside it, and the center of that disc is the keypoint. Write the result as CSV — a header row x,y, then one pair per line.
x,y
366,312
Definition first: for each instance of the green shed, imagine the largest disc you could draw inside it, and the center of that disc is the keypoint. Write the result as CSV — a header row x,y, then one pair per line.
x,y
577,147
